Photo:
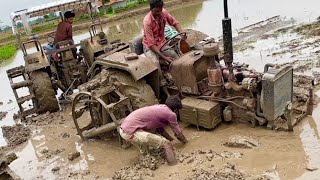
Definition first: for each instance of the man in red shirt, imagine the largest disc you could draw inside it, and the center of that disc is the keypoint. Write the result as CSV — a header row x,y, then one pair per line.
x,y
153,38
139,127
64,31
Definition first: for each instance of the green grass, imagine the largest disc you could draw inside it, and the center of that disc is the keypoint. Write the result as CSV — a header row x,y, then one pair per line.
x,y
44,27
7,51
131,5
109,15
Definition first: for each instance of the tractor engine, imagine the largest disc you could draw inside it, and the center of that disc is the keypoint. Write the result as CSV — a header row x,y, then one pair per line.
x,y
244,95
232,92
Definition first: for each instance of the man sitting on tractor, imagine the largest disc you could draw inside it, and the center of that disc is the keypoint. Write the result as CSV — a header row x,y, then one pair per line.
x,y
139,127
64,31
154,37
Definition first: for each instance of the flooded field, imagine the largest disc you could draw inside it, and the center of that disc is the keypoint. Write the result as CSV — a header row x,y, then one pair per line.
x,y
287,155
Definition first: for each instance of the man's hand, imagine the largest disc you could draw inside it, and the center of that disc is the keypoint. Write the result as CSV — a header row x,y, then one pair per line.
x,y
168,59
182,138
164,133
184,36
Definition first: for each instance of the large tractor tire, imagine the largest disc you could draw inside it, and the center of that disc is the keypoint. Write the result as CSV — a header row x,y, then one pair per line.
x,y
139,92
44,92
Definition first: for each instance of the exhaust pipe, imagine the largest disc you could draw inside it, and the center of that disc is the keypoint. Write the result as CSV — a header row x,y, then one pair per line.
x,y
227,39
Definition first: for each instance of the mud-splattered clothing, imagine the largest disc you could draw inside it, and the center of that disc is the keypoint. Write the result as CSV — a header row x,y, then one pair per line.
x,y
151,118
154,31
143,139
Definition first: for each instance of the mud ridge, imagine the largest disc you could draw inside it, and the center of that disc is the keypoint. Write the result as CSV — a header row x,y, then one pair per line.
x,y
45,119
3,115
16,135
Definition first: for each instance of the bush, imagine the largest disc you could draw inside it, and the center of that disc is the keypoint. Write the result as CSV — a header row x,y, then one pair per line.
x,y
7,51
110,10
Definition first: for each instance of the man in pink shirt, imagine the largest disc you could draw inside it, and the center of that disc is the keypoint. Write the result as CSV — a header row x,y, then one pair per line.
x,y
139,127
153,38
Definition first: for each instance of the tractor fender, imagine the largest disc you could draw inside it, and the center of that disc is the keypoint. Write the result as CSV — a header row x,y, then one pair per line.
x,y
137,66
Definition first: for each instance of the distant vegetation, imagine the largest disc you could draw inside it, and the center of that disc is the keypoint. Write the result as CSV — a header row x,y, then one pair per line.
x,y
6,37
50,22
45,27
7,51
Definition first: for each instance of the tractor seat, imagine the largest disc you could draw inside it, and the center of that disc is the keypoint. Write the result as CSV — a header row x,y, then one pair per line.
x,y
136,45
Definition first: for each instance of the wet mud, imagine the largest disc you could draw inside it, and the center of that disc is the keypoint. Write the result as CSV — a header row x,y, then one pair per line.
x,y
16,135
5,161
241,142
44,119
3,115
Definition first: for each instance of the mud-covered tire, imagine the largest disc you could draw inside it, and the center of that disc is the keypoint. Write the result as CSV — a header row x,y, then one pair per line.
x,y
44,92
139,92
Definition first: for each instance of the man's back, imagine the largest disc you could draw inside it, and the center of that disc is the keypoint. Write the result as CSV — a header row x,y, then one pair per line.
x,y
148,118
64,32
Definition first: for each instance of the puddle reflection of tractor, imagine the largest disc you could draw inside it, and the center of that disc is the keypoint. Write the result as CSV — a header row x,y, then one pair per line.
x,y
211,91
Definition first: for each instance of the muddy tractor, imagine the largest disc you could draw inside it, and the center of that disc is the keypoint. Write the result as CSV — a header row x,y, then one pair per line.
x,y
54,66
211,91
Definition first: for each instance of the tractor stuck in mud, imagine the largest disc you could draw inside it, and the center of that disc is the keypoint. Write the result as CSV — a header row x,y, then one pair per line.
x,y
115,78
211,92
43,74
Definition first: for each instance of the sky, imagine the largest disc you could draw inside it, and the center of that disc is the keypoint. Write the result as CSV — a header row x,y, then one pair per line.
x,y
9,6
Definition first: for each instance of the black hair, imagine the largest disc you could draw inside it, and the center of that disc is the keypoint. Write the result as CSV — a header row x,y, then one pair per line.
x,y
174,103
69,14
156,4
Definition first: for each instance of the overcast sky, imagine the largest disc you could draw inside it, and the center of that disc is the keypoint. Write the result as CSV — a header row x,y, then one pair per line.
x,y
9,6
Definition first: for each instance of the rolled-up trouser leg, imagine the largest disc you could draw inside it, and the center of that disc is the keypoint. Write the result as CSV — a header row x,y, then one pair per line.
x,y
169,153
142,139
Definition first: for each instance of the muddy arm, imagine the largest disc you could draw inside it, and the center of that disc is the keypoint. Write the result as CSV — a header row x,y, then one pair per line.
x,y
164,133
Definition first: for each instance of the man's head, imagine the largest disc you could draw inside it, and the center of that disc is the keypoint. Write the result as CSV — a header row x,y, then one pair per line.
x,y
69,16
156,7
174,102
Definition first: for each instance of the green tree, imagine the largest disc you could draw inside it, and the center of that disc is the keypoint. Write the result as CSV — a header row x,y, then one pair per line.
x,y
105,1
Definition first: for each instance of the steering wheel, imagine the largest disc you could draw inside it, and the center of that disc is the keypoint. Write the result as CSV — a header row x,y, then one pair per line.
x,y
50,37
173,42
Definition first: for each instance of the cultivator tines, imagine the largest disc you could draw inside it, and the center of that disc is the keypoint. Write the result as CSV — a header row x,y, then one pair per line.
x,y
106,108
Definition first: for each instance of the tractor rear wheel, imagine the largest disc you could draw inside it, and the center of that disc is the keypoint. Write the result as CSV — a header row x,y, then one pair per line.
x,y
139,92
45,95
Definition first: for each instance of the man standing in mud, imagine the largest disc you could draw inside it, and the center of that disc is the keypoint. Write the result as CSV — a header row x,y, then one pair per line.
x,y
140,127
154,37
